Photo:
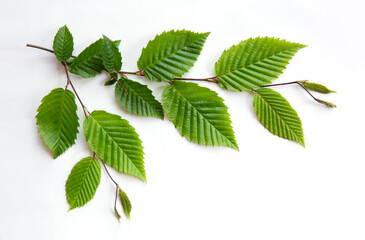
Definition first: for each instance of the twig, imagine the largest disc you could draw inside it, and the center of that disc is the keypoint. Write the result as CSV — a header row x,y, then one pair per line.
x,y
86,112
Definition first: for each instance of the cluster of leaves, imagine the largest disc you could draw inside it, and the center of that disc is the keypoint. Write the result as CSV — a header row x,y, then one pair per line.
x,y
198,113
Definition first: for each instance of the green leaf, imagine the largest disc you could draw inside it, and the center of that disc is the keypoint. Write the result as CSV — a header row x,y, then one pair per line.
x,y
116,142
112,58
89,62
254,62
171,54
199,114
316,87
276,114
82,182
138,99
111,80
117,214
127,206
63,44
57,120
328,104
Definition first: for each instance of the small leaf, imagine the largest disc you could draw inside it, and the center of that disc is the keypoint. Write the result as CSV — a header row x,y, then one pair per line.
x,y
82,182
116,142
316,87
199,114
57,120
63,44
111,80
89,62
138,99
127,206
254,62
328,104
112,58
276,114
117,214
171,54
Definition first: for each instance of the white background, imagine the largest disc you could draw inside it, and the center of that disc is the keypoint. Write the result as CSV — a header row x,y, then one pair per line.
x,y
270,189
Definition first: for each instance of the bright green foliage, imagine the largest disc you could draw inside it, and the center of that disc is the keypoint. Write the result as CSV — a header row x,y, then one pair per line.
x,y
116,142
199,114
138,99
276,114
112,58
82,182
63,44
171,54
127,206
254,62
117,214
57,120
90,61
316,87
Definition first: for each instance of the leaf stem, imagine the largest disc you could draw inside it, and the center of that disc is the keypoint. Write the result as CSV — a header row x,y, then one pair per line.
x,y
42,48
116,187
140,73
300,84
86,112
281,84
116,79
107,172
211,79
316,99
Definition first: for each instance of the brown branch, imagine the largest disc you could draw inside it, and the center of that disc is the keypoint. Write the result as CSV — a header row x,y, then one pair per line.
x,y
42,48
86,112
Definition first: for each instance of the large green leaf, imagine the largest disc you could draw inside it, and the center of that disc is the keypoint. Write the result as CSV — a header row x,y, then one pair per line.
x,y
82,182
57,120
138,99
63,44
199,114
112,58
254,62
171,54
126,204
90,61
116,142
276,114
